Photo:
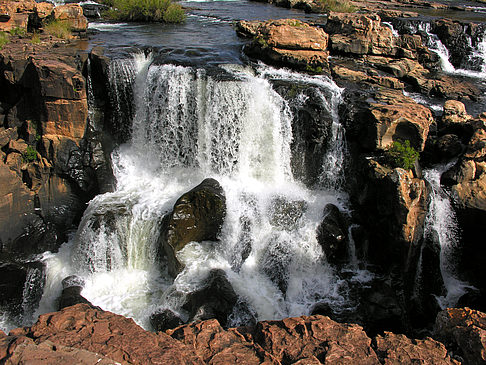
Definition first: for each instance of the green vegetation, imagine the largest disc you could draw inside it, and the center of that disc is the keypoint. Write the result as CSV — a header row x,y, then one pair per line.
x,y
58,28
30,155
3,39
339,6
295,23
313,69
402,155
262,42
17,31
35,38
146,11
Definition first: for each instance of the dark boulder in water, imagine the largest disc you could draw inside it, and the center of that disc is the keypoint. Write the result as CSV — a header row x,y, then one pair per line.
x,y
71,292
215,299
164,319
197,216
332,235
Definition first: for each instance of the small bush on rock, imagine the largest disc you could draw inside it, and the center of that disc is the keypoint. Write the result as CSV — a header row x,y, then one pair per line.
x,y
17,31
58,28
339,6
4,38
30,155
146,11
402,155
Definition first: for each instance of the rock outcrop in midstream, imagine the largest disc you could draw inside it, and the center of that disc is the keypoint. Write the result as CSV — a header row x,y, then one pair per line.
x,y
87,335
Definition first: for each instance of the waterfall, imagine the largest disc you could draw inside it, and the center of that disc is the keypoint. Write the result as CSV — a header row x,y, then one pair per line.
x,y
188,125
441,218
434,44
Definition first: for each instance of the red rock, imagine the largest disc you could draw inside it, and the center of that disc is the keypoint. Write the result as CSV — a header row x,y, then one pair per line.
x,y
398,349
111,335
465,329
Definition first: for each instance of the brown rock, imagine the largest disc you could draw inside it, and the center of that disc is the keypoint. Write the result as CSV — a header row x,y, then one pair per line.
x,y
111,335
455,112
398,119
465,330
17,20
48,353
66,118
289,42
360,34
44,9
73,15
398,349
294,339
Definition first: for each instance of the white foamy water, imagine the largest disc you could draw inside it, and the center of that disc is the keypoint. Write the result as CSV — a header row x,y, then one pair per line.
x,y
188,126
441,218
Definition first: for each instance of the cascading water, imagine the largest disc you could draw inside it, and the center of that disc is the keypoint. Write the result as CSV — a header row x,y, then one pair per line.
x,y
189,125
442,221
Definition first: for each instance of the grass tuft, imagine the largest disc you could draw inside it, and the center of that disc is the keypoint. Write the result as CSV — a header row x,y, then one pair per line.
x,y
59,29
338,6
146,11
4,39
35,38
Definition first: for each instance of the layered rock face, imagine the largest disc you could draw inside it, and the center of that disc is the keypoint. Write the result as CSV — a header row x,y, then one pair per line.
x,y
85,334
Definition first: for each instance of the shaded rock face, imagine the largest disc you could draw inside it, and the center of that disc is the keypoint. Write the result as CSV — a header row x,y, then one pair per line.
x,y
164,320
88,334
287,42
332,235
215,299
48,163
463,331
71,292
197,216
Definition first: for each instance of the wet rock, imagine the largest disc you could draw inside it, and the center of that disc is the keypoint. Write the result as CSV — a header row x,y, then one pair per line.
x,y
463,331
164,320
332,235
398,349
215,299
71,292
276,260
287,42
198,215
12,278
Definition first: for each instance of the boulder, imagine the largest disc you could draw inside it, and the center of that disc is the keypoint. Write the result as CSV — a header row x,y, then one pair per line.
x,y
454,112
73,15
360,34
10,276
332,235
398,349
287,42
215,299
198,215
391,117
164,320
463,331
71,292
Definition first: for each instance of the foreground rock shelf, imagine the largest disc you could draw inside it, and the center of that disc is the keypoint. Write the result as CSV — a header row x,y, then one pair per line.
x,y
84,334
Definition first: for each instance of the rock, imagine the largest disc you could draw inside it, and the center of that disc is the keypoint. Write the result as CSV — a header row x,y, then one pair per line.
x,y
332,235
391,119
275,261
359,34
71,292
454,112
287,42
344,343
215,299
197,216
398,349
463,331
164,320
73,15
108,334
11,276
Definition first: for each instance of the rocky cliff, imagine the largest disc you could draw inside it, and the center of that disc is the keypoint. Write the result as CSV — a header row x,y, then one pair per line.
x,y
88,335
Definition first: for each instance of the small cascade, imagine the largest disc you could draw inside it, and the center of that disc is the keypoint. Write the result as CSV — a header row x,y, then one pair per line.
x,y
441,222
434,44
33,287
189,125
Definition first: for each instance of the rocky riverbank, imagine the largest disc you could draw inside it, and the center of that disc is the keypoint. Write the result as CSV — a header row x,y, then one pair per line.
x,y
88,335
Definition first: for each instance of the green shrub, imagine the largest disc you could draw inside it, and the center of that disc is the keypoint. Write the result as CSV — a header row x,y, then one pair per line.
x,y
4,38
146,11
59,29
174,14
313,69
402,155
30,154
339,6
18,31
35,38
